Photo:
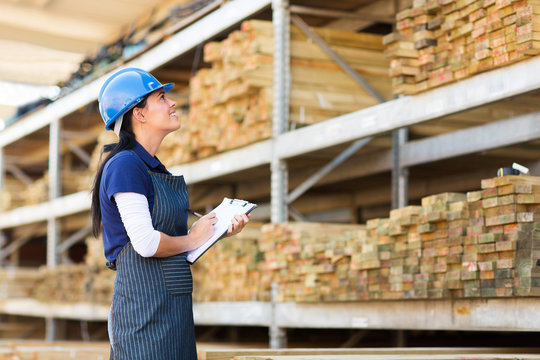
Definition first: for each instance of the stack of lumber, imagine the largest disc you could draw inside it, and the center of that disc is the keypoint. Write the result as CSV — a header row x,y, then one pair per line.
x,y
177,148
404,252
469,262
65,283
509,205
231,102
104,138
379,244
17,282
34,350
99,280
480,244
88,282
229,270
485,244
440,41
71,181
11,194
437,266
312,261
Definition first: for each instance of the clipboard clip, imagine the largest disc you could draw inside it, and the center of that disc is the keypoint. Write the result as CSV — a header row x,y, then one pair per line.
x,y
238,202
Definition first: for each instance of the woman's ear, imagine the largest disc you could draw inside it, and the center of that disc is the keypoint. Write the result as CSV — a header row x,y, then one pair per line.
x,y
138,115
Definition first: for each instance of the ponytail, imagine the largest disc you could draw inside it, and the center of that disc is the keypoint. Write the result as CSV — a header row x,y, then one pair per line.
x,y
126,141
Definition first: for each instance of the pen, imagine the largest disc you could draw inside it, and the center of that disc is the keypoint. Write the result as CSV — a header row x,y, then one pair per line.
x,y
195,213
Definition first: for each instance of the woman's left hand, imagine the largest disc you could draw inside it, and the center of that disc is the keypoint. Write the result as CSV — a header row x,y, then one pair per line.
x,y
237,224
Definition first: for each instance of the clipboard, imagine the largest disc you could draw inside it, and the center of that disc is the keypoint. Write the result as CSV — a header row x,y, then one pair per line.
x,y
225,212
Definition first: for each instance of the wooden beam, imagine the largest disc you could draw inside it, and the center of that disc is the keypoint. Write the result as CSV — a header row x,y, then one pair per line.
x,y
306,10
378,8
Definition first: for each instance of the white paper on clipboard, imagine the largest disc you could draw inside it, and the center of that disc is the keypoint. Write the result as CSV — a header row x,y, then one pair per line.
x,y
225,212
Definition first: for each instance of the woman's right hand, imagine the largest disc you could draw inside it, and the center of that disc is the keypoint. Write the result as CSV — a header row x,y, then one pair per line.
x,y
203,229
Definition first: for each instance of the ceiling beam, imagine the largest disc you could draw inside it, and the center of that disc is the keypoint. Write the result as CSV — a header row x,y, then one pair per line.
x,y
58,42
47,22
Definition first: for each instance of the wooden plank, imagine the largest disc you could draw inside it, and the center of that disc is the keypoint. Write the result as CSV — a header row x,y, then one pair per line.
x,y
393,357
226,354
231,103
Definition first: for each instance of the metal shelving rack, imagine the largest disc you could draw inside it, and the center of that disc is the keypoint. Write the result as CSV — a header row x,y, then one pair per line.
x,y
390,116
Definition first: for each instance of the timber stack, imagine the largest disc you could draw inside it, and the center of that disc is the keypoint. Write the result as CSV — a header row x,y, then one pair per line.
x,y
239,277
437,42
231,102
482,244
88,282
312,261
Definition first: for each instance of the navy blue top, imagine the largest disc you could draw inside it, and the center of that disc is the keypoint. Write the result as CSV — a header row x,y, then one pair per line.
x,y
127,171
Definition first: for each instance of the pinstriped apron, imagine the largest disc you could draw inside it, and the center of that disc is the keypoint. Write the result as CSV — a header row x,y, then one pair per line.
x,y
151,313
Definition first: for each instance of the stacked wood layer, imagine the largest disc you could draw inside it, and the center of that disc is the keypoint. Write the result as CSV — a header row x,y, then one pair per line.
x,y
89,282
479,244
229,271
17,282
437,42
231,102
485,243
11,196
72,181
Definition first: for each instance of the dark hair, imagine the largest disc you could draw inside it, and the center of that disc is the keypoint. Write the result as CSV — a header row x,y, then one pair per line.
x,y
126,141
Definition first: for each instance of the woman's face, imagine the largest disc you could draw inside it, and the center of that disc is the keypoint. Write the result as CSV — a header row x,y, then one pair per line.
x,y
160,112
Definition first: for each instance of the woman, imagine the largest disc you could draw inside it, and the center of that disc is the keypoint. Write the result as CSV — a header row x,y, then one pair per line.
x,y
143,209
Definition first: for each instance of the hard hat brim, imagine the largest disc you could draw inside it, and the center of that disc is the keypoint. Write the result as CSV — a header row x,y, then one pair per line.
x,y
165,87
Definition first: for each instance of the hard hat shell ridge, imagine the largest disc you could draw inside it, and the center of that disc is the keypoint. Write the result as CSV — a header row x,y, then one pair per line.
x,y
123,90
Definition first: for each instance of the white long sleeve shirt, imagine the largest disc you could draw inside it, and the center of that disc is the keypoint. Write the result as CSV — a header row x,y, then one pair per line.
x,y
135,215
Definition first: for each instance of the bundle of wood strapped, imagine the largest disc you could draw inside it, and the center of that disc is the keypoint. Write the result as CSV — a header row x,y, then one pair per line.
x,y
231,102
507,260
480,244
440,41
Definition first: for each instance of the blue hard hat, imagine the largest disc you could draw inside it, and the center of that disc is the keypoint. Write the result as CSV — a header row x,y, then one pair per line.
x,y
123,90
